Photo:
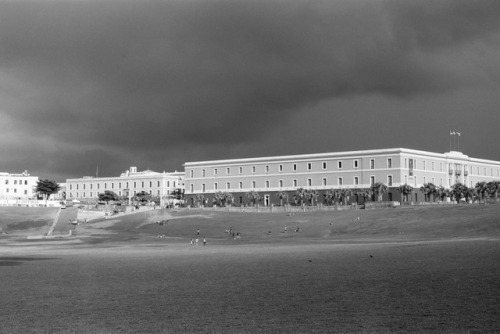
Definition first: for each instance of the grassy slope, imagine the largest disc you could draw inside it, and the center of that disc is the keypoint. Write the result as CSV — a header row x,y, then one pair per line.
x,y
415,223
25,221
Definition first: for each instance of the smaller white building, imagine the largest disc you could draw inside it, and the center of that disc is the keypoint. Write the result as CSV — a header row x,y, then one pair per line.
x,y
17,186
127,184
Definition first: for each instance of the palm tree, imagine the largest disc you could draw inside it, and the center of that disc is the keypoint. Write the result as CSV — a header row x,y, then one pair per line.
x,y
440,193
311,195
365,193
458,191
329,196
282,195
379,189
481,189
46,187
469,194
346,194
428,189
405,190
300,195
493,188
253,196
200,199
228,198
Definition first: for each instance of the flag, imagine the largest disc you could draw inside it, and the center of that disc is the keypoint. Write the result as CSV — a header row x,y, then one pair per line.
x,y
452,133
458,133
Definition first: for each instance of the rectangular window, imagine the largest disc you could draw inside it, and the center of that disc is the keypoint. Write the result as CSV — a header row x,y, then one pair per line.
x,y
356,163
203,187
203,172
324,181
295,183
15,181
372,164
339,164
228,185
253,184
432,165
294,167
216,186
150,184
241,185
406,163
191,187
191,173
216,171
372,180
341,181
267,169
228,170
267,184
389,180
309,166
423,164
281,168
389,163
356,180
324,165
158,184
281,183
25,182
253,169
309,182
142,184
241,170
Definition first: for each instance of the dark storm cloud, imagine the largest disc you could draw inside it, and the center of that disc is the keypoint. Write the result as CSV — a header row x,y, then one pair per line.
x,y
144,78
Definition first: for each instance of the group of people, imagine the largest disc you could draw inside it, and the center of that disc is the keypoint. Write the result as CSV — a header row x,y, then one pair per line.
x,y
196,241
234,235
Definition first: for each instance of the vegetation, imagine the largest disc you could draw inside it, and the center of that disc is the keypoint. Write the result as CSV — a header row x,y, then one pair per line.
x,y
108,195
379,189
405,190
45,188
253,196
223,198
200,199
282,195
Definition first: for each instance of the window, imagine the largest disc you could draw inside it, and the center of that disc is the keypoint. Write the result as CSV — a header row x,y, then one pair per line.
x,y
120,185
281,183
25,182
356,163
228,170
389,180
309,166
142,184
203,187
267,184
241,185
423,164
253,169
203,173
281,168
339,164
191,173
294,167
216,171
324,181
15,181
216,186
432,165
324,165
406,163
241,170
356,180
191,187
389,163
267,168
83,188
70,188
150,184
406,179
295,183
253,184
372,180
341,181
228,185
372,164
158,183
309,182
6,181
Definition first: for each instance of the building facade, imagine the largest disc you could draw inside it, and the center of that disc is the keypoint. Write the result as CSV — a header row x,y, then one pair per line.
x,y
17,186
127,184
354,170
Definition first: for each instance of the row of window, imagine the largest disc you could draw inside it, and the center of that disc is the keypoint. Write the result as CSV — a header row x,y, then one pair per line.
x,y
120,185
92,194
309,165
309,183
453,166
7,190
20,182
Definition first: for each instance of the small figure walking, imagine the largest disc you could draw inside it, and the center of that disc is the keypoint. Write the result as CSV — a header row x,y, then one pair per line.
x,y
204,241
198,232
196,241
192,241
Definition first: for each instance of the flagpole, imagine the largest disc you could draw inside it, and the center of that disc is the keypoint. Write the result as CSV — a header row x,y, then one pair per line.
x,y
450,141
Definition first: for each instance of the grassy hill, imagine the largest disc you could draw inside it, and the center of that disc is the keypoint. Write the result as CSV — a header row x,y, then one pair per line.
x,y
26,220
385,224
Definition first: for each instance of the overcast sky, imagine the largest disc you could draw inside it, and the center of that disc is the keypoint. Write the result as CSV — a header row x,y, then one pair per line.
x,y
154,84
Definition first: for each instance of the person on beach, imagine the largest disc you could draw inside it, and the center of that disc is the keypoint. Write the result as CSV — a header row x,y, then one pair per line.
x,y
204,241
192,241
196,241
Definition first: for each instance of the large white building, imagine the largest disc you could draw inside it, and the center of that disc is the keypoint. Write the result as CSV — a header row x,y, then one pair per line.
x,y
17,186
127,184
354,170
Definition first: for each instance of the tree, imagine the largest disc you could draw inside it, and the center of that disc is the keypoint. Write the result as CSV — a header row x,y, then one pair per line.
x,y
282,195
311,195
228,198
330,196
142,197
405,190
345,195
493,188
458,191
440,193
45,188
365,193
481,189
379,189
107,196
300,195
253,196
428,189
178,194
200,199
